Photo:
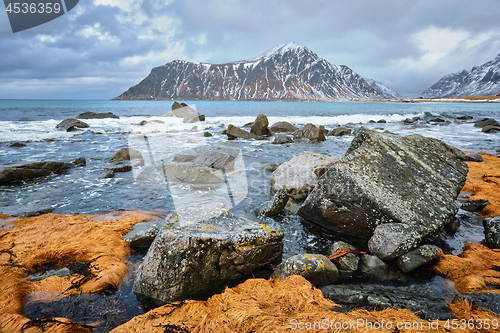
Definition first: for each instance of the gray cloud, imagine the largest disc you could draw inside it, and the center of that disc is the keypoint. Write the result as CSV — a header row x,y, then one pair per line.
x,y
102,47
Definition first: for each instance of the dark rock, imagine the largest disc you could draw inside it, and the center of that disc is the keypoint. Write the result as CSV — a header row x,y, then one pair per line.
x,y
464,197
486,122
280,139
109,174
26,119
340,131
283,126
275,206
70,125
144,122
81,161
93,115
143,234
41,276
410,182
465,118
492,232
270,166
491,129
207,134
26,210
120,168
408,121
489,301
311,133
371,121
201,117
428,300
438,120
473,157
127,154
32,170
452,227
418,257
346,264
416,118
17,145
475,205
233,132
382,121
260,126
192,261
373,269
315,268
176,105
300,175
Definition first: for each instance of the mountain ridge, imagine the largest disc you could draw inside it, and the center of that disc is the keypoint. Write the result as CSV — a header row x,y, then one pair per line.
x,y
285,72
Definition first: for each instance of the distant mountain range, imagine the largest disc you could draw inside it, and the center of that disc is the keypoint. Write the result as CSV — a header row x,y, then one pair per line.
x,y
286,72
481,80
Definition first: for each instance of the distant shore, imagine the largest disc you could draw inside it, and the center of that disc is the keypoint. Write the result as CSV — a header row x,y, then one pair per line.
x,y
461,99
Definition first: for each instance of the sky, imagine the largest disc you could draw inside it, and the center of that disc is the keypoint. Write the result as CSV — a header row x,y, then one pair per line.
x,y
102,47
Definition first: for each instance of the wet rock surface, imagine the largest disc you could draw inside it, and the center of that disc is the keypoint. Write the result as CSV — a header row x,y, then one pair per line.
x,y
275,206
70,125
26,210
32,170
372,269
474,205
418,257
489,301
143,234
473,157
315,268
191,261
412,181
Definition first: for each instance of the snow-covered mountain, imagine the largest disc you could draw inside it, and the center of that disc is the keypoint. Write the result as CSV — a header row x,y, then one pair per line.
x,y
286,72
383,89
481,80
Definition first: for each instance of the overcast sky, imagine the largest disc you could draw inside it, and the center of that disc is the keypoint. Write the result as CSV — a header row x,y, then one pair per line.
x,y
102,47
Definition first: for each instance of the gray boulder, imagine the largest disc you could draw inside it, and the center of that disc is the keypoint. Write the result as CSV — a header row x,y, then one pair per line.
x,y
280,139
234,132
418,257
143,234
275,206
32,170
473,157
340,131
347,264
491,129
310,133
483,122
492,232
189,261
283,126
260,126
315,268
300,175
411,183
93,115
70,125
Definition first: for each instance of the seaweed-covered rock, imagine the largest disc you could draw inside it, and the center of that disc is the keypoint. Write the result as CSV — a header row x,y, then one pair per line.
x,y
411,182
70,125
32,170
300,175
189,261
315,268
260,125
418,257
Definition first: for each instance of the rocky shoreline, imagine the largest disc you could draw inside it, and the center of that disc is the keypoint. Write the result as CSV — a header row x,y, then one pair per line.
x,y
392,198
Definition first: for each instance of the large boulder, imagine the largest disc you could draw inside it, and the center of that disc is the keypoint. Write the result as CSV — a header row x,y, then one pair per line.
x,y
32,170
93,115
411,183
234,132
310,133
70,125
483,122
300,175
190,261
260,126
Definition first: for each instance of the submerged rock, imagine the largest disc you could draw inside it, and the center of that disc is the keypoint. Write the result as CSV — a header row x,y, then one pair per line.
x,y
300,175
315,268
70,125
17,145
410,183
93,115
32,170
196,261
